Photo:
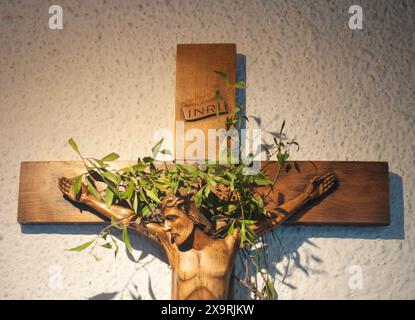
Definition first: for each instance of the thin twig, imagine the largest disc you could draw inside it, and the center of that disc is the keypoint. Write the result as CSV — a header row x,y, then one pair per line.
x,y
274,181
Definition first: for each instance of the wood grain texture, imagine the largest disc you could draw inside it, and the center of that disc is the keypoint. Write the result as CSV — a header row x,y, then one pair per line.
x,y
196,85
40,200
361,196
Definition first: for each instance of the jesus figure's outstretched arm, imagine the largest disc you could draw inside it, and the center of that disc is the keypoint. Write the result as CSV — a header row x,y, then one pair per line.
x,y
315,188
119,214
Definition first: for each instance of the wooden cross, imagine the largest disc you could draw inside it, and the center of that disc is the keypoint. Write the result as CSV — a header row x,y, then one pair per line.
x,y
361,196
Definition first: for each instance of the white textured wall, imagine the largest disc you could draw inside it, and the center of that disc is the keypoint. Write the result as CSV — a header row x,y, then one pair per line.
x,y
108,80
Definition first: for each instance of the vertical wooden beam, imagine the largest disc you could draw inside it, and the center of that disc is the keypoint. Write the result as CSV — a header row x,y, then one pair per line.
x,y
196,85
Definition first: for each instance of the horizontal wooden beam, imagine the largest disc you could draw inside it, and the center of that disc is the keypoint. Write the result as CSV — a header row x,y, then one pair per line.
x,y
361,196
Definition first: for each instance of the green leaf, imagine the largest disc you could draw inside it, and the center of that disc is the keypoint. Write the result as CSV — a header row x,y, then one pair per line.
x,y
77,183
92,189
101,163
198,198
111,176
140,166
260,202
231,228
232,207
207,190
148,159
81,247
152,195
191,170
282,158
216,169
152,167
126,239
262,182
74,146
129,192
109,197
248,222
146,211
270,289
111,157
232,184
175,186
112,186
240,85
155,150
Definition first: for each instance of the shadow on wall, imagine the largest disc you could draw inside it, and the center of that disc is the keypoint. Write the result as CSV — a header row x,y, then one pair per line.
x,y
241,76
130,289
288,240
138,242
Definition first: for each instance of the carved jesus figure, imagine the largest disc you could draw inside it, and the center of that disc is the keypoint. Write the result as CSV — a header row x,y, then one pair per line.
x,y
201,264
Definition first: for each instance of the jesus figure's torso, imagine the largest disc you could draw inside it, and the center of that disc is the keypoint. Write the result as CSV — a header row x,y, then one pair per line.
x,y
204,274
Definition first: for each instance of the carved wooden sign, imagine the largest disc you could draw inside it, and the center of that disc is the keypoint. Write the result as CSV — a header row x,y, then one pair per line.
x,y
309,192
203,110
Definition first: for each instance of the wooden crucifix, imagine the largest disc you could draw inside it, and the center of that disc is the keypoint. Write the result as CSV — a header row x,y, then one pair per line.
x,y
308,192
